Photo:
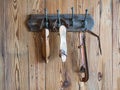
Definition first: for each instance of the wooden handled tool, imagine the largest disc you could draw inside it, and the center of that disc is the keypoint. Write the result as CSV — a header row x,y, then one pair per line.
x,y
45,39
63,43
45,44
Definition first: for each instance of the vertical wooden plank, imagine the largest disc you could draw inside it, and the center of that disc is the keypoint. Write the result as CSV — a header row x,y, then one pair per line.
x,y
72,63
82,6
94,57
2,27
106,42
80,9
15,45
94,60
116,44
102,14
55,69
53,81
36,63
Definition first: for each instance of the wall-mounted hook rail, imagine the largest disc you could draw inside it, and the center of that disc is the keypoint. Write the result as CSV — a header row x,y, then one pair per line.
x,y
73,22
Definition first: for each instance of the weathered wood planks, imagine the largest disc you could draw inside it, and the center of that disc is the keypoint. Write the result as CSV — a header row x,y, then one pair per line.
x,y
102,13
116,44
2,44
53,68
106,41
15,46
22,66
37,80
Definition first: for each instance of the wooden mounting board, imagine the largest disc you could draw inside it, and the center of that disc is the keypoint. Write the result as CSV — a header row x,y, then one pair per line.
x,y
35,22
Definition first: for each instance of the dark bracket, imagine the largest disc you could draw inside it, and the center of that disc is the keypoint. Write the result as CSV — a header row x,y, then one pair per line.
x,y
74,23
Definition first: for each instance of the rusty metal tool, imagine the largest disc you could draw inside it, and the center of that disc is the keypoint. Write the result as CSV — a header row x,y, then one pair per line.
x,y
84,71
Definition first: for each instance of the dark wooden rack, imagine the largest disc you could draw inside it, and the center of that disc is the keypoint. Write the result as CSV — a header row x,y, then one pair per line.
x,y
73,22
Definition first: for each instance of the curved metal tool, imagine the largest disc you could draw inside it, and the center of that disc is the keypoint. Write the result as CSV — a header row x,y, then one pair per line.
x,y
84,71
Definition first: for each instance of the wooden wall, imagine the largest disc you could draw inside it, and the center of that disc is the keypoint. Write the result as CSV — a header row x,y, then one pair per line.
x,y
21,64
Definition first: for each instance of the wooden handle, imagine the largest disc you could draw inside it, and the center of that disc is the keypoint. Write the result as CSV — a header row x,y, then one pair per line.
x,y
63,43
84,65
45,45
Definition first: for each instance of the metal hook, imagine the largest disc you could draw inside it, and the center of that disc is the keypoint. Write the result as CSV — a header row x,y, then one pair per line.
x,y
72,16
86,13
46,18
58,18
84,22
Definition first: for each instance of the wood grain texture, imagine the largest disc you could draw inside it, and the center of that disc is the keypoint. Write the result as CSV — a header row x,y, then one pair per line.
x,y
2,58
106,41
36,62
116,44
72,63
102,12
22,66
15,46
93,53
53,73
